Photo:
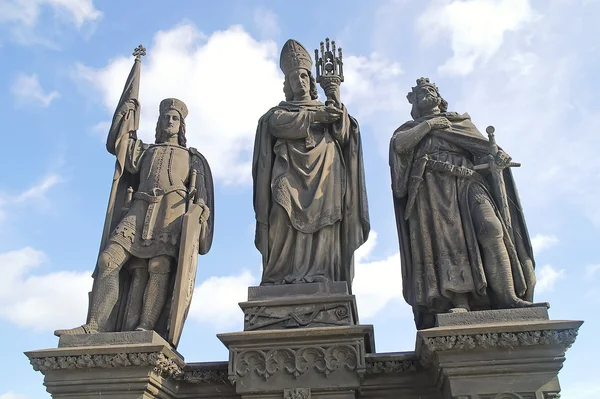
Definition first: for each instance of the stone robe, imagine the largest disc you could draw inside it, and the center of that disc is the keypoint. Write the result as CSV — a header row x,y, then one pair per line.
x,y
434,189
309,195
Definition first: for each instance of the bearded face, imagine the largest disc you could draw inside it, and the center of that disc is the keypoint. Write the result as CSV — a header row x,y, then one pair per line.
x,y
428,98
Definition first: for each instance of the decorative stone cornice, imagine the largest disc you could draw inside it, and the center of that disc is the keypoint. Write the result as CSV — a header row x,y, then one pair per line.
x,y
507,340
375,367
161,364
205,376
322,359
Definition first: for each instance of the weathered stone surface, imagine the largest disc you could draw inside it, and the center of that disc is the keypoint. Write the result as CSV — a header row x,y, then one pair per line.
x,y
462,233
309,187
497,360
320,358
492,316
290,290
112,371
160,216
299,306
116,338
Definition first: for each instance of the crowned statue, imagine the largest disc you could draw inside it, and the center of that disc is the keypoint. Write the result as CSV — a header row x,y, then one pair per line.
x,y
463,240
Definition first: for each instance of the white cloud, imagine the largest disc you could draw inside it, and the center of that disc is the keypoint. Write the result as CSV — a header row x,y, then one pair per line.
x,y
216,299
38,191
12,395
225,97
41,302
371,84
266,21
541,242
27,90
476,29
26,13
377,283
591,270
547,277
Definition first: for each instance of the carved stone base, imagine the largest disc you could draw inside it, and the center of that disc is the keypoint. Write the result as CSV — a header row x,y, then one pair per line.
x,y
329,361
298,306
114,370
517,360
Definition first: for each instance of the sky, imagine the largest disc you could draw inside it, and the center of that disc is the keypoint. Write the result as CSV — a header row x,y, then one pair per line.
x,y
527,67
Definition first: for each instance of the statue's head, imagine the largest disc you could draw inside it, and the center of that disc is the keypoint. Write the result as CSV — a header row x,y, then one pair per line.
x,y
425,99
295,62
171,121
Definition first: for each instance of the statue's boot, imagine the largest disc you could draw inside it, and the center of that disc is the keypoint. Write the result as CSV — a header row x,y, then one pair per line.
x,y
460,303
84,329
155,298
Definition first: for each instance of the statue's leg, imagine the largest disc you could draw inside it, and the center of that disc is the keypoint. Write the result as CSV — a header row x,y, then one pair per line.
x,y
106,295
155,296
139,280
106,291
496,261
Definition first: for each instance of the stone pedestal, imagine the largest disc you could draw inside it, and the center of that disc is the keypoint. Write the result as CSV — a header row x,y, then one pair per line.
x,y
299,363
498,354
112,365
298,306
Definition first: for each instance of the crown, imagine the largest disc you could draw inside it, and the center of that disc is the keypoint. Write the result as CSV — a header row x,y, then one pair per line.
x,y
173,103
421,82
294,56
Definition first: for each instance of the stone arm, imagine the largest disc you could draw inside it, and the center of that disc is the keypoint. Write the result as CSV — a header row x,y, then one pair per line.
x,y
341,128
291,125
406,140
135,151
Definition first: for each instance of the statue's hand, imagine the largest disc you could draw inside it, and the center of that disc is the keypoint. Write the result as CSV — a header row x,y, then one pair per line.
x,y
129,105
205,210
438,123
503,160
327,115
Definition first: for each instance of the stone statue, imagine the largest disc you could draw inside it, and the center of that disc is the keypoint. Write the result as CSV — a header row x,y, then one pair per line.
x,y
160,216
309,187
463,240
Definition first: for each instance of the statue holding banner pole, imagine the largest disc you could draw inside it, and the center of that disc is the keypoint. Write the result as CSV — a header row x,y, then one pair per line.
x,y
160,216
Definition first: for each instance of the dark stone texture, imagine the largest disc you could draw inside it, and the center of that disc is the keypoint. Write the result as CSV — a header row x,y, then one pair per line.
x,y
309,190
160,216
109,339
521,315
462,233
331,358
289,290
299,306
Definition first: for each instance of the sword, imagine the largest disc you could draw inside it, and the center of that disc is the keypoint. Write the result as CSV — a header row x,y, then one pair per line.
x,y
498,186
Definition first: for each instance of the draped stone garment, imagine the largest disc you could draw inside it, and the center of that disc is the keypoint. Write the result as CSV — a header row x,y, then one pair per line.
x,y
152,226
439,249
309,195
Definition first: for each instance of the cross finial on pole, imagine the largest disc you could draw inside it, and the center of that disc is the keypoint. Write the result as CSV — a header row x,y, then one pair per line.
x,y
139,52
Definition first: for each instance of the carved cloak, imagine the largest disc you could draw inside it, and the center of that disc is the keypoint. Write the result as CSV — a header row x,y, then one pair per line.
x,y
354,223
406,180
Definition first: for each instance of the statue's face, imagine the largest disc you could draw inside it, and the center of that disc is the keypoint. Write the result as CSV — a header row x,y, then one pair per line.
x,y
299,82
170,122
428,98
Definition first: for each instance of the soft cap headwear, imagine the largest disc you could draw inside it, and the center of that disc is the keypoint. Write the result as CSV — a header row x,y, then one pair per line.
x,y
173,103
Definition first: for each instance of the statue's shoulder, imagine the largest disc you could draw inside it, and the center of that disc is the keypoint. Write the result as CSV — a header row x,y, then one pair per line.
x,y
406,125
194,152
